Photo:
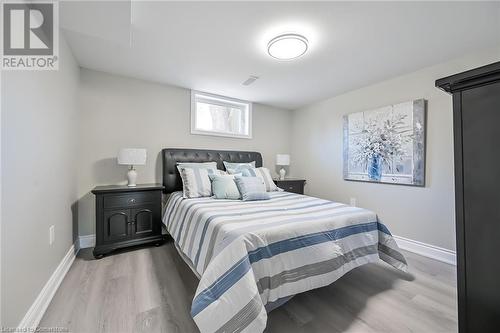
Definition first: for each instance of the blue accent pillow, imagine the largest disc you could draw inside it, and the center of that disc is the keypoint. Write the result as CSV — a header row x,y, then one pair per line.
x,y
224,187
251,188
233,168
264,174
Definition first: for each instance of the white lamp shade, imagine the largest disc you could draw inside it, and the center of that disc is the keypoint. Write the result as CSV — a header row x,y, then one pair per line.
x,y
132,156
282,159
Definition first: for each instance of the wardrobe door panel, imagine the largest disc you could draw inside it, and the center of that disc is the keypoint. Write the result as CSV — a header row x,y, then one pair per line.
x,y
481,184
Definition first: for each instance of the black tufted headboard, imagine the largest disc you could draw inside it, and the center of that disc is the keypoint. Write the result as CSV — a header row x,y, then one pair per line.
x,y
171,156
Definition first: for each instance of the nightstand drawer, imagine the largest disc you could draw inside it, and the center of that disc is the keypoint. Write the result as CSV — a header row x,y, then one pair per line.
x,y
291,186
130,199
294,186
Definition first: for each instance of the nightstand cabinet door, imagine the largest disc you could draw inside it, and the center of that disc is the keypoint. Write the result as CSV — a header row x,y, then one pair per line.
x,y
116,225
143,221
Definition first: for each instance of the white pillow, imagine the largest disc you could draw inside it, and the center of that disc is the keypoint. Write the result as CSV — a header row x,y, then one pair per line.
x,y
209,165
265,175
196,182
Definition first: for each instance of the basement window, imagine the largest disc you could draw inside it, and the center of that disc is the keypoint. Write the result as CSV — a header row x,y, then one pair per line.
x,y
220,116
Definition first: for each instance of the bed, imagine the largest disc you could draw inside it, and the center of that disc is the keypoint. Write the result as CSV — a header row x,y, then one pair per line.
x,y
252,257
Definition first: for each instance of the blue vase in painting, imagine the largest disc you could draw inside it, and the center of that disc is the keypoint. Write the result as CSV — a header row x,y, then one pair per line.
x,y
375,168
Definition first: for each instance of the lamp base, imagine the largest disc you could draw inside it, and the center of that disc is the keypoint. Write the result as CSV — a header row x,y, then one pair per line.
x,y
132,177
282,174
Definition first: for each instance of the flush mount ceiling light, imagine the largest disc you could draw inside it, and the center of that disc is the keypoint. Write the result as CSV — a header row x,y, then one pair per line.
x,y
287,46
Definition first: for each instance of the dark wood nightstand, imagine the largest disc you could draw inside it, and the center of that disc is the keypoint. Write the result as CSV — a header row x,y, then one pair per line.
x,y
293,185
127,216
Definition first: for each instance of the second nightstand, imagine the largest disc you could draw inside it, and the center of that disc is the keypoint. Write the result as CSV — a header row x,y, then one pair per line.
x,y
127,216
293,185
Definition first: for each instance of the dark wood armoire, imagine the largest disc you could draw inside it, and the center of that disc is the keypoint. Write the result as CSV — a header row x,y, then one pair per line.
x,y
476,126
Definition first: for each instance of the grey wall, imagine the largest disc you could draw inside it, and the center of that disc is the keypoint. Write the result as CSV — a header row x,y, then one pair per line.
x,y
118,112
422,214
39,141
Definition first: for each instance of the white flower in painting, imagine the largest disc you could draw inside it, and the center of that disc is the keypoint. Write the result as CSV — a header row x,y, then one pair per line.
x,y
384,136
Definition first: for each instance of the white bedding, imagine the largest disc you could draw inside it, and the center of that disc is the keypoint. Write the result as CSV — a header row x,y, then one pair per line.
x,y
253,256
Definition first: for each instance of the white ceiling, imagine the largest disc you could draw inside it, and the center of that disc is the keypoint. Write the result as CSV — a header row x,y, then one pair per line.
x,y
214,47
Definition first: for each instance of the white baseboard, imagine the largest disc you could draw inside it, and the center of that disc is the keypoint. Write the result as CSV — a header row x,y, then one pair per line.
x,y
86,241
427,250
423,249
37,309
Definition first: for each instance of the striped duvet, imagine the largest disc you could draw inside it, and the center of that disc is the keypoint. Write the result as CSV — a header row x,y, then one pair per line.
x,y
252,257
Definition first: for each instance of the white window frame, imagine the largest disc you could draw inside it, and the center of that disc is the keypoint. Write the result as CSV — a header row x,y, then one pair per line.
x,y
223,101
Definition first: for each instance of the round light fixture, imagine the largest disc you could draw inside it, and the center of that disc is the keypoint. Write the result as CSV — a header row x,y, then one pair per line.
x,y
287,46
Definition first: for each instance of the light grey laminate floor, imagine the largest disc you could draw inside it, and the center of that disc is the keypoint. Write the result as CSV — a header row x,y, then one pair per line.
x,y
150,290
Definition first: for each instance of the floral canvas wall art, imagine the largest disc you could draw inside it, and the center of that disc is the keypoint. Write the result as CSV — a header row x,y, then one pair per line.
x,y
386,145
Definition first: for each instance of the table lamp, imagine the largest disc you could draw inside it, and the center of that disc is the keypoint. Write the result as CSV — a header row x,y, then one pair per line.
x,y
132,157
282,160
